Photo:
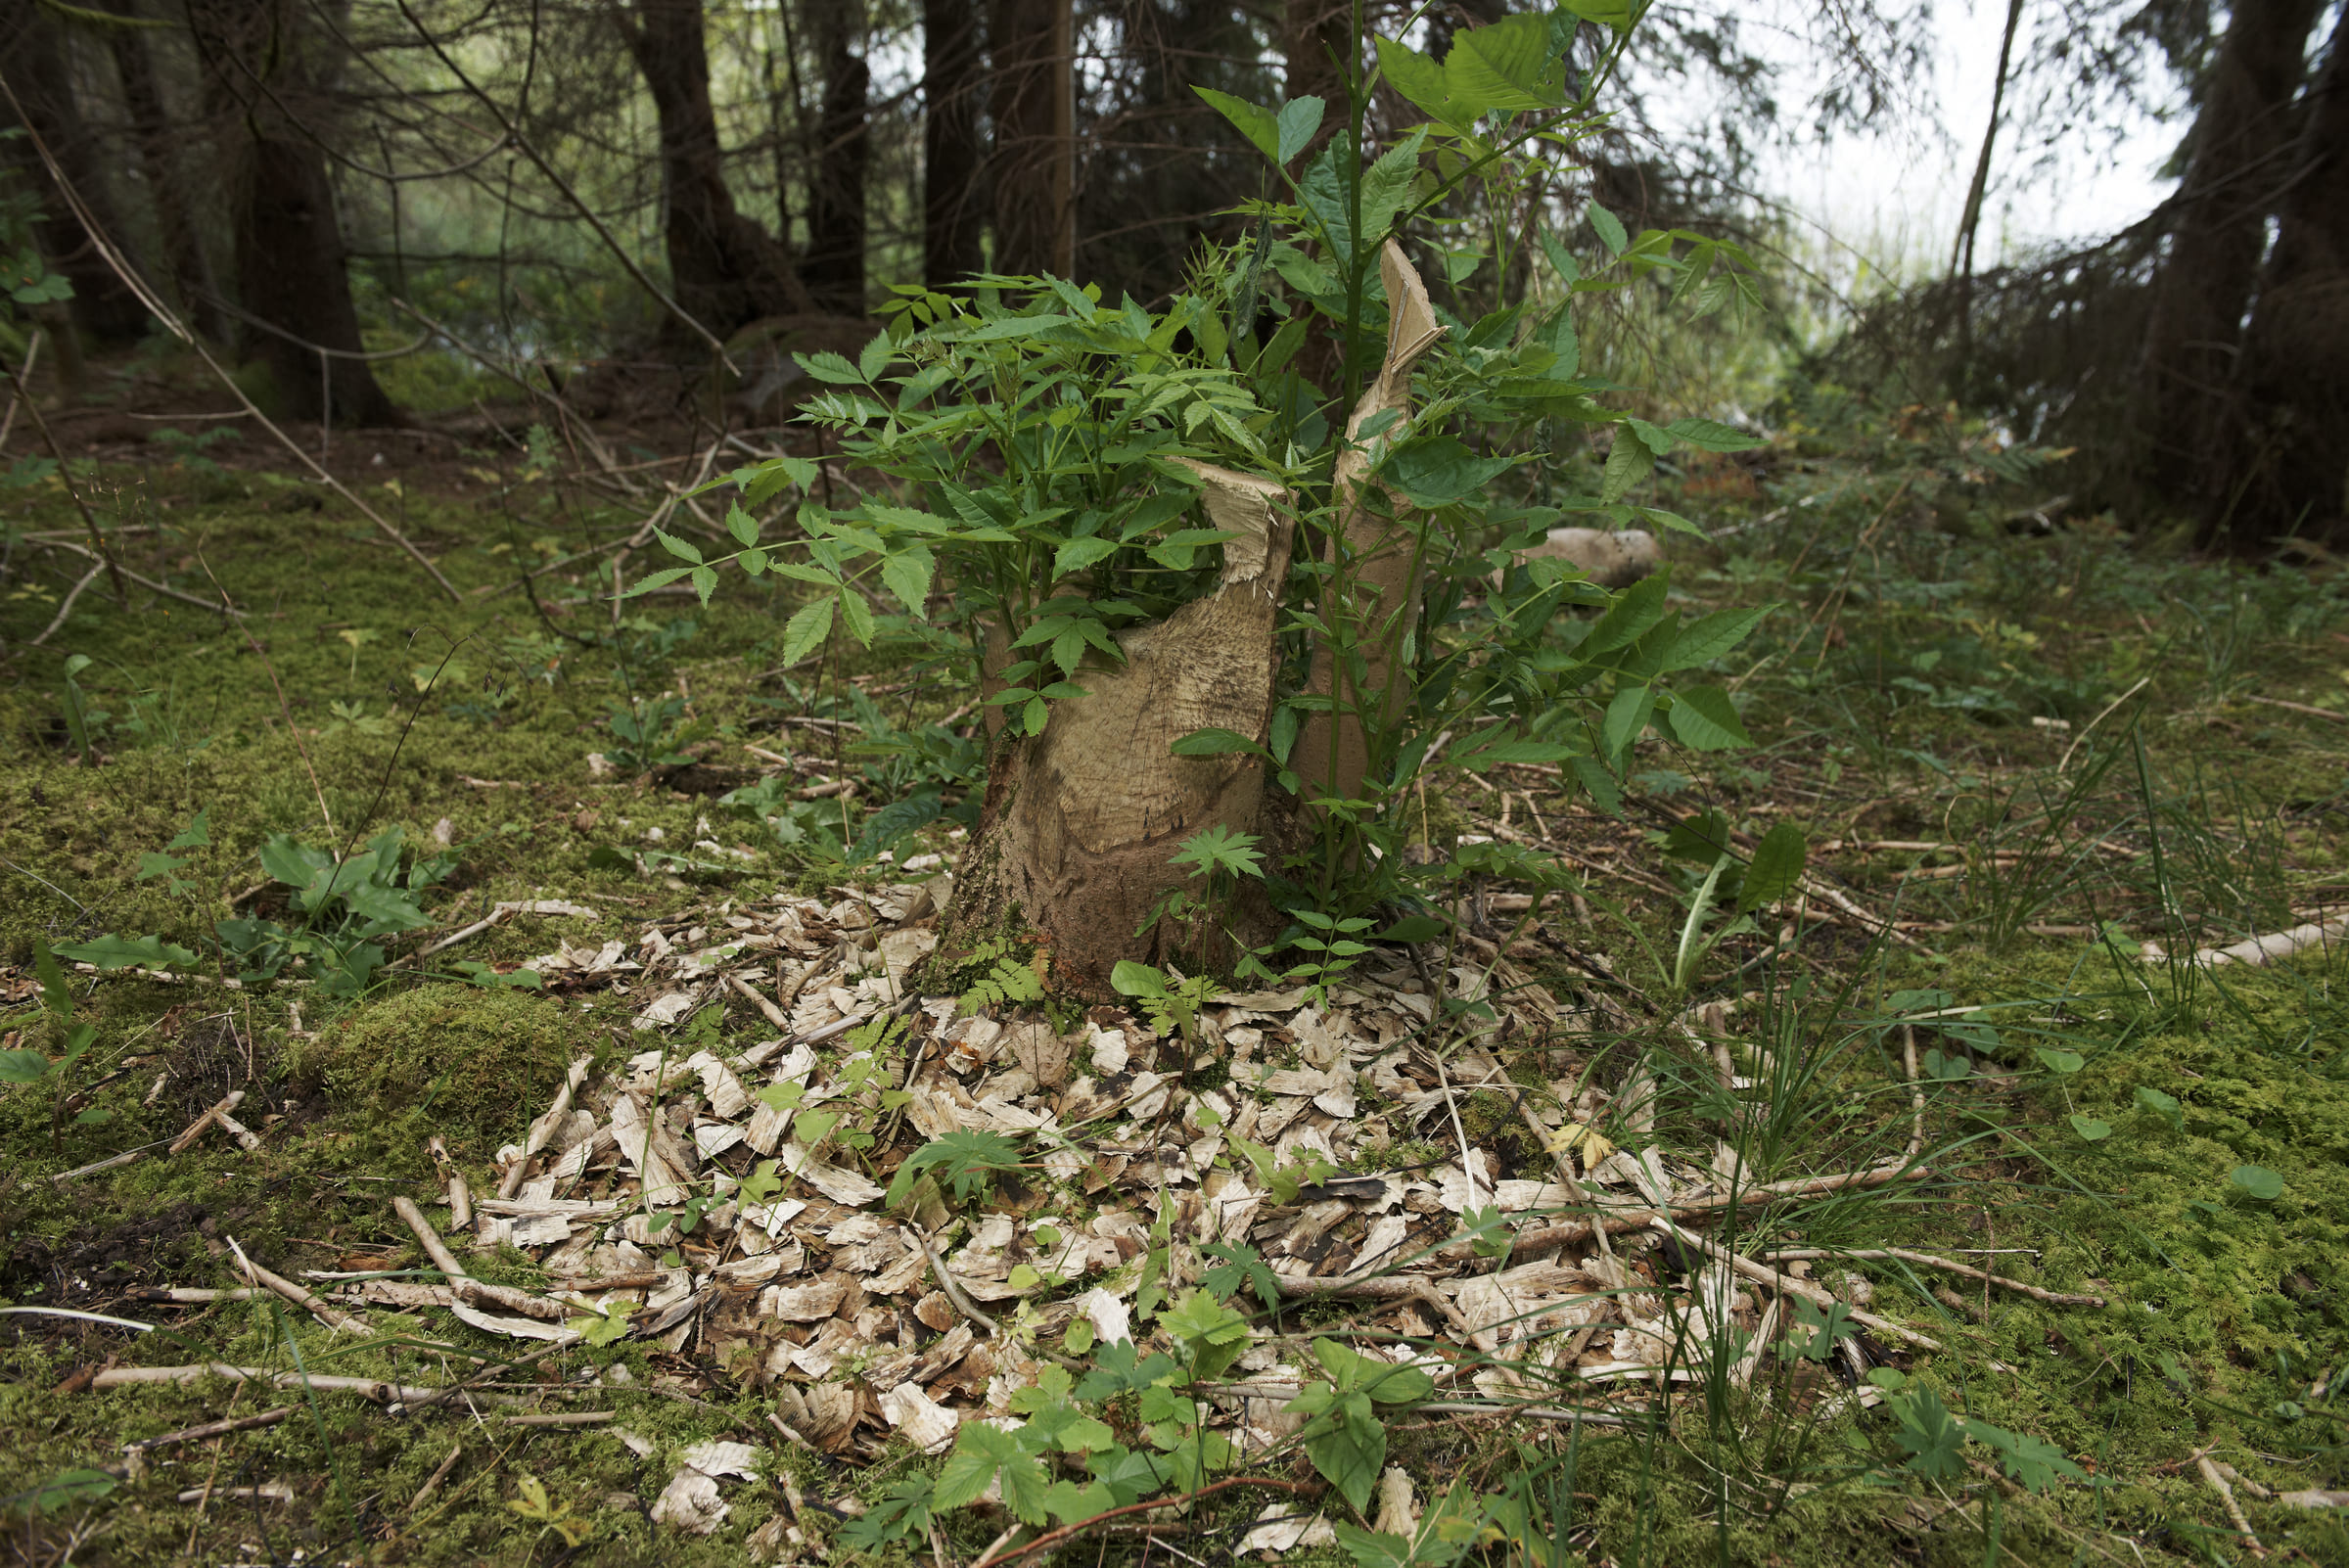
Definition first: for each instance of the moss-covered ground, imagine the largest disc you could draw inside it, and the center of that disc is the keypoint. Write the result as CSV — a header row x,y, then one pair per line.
x,y
2106,1133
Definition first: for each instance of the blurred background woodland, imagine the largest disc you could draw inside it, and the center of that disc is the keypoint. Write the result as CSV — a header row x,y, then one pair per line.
x,y
390,207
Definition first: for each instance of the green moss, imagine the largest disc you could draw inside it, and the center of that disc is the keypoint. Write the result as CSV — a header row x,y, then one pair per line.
x,y
483,1058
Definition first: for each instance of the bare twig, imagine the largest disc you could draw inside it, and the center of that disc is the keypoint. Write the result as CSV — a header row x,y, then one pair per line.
x,y
2298,707
773,1014
946,1282
1816,1295
2234,1509
294,1293
544,1128
195,1130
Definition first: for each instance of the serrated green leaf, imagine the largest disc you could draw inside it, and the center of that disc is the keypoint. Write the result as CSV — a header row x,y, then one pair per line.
x,y
1776,867
857,616
1706,720
1629,461
677,547
1506,67
807,630
743,525
1711,436
1215,743
907,575
1609,229
1298,120
1254,122
1628,716
705,583
656,580
1709,638
112,952
1076,554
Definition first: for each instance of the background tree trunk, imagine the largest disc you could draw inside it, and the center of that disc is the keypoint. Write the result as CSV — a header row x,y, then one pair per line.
x,y
952,205
151,129
292,269
725,269
2218,229
34,61
1081,823
834,266
2287,453
1019,38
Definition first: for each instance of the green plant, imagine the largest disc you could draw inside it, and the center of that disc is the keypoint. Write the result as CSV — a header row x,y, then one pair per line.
x,y
1934,1438
32,1067
1007,980
347,905
966,1161
1344,1434
188,450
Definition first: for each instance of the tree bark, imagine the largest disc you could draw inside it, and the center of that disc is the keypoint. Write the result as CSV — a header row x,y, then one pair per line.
x,y
1315,39
834,266
37,72
151,129
1962,255
293,277
1019,38
2238,155
2286,455
1079,825
953,196
1374,595
726,270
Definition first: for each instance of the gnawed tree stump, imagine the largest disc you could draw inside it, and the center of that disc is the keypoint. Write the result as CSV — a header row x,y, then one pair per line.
x,y
1381,589
1077,832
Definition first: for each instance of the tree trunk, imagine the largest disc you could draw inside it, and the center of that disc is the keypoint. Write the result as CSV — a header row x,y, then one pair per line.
x,y
291,268
1374,600
2218,229
725,269
1962,254
1079,825
37,72
1019,40
150,128
952,206
834,266
2287,448
1315,39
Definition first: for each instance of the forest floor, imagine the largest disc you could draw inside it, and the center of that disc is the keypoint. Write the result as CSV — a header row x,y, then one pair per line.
x,y
2033,747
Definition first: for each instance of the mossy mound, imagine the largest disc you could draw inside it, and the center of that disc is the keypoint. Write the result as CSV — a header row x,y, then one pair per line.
x,y
480,1059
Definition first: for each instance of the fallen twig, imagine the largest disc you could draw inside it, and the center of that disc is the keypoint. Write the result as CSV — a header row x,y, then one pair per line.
x,y
195,1130
1925,1260
946,1282
2298,707
773,1014
2257,950
2234,1509
544,1128
1816,1295
299,1297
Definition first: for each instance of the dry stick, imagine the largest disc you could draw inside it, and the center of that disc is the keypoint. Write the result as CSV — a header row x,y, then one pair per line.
x,y
433,1482
1925,1260
1816,1295
1054,1538
8,421
596,447
182,1144
544,1128
946,1282
2067,759
1392,1287
212,1429
71,595
2299,708
434,1247
63,475
299,1297
2234,1509
774,1015
121,269
152,587
563,1418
